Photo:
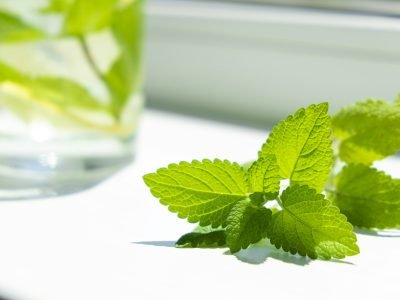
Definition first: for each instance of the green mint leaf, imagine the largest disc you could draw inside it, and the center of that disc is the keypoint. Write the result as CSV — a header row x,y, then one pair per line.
x,y
125,75
369,198
264,177
86,16
62,6
56,91
65,93
13,29
60,99
310,225
302,146
8,73
246,225
212,239
368,131
125,20
202,192
57,6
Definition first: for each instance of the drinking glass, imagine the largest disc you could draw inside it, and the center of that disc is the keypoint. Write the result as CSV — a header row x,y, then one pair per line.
x,y
70,93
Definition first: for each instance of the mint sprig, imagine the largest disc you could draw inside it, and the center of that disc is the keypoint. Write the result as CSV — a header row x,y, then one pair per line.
x,y
223,194
311,217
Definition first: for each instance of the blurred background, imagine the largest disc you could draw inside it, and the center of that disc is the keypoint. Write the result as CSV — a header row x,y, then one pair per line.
x,y
255,61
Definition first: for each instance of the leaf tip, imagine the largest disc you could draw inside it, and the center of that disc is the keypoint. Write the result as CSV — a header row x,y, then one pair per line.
x,y
147,178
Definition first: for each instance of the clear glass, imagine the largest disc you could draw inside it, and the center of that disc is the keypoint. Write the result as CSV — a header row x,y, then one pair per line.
x,y
70,93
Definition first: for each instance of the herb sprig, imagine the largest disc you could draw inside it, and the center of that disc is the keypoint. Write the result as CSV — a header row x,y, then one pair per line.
x,y
310,217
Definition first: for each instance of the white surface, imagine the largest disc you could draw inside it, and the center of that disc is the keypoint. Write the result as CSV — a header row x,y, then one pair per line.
x,y
116,242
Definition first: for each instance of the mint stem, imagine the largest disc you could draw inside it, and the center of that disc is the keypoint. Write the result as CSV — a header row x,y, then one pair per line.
x,y
96,70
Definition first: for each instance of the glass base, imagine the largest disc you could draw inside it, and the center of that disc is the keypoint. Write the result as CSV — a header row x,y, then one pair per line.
x,y
63,168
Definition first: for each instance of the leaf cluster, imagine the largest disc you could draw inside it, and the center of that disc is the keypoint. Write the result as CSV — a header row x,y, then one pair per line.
x,y
232,200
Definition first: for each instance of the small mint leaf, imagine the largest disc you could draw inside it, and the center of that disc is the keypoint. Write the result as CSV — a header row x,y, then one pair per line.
x,y
246,225
202,192
264,177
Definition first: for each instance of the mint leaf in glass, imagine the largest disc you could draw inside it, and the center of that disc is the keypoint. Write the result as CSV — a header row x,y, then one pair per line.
x,y
85,16
13,29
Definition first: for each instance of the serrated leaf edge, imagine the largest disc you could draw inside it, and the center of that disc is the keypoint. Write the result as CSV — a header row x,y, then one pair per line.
x,y
195,161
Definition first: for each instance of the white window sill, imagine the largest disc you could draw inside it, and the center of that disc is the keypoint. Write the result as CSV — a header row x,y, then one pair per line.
x,y
116,241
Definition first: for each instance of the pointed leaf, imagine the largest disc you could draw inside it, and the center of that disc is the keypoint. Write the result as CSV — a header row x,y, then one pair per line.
x,y
264,177
302,146
202,192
